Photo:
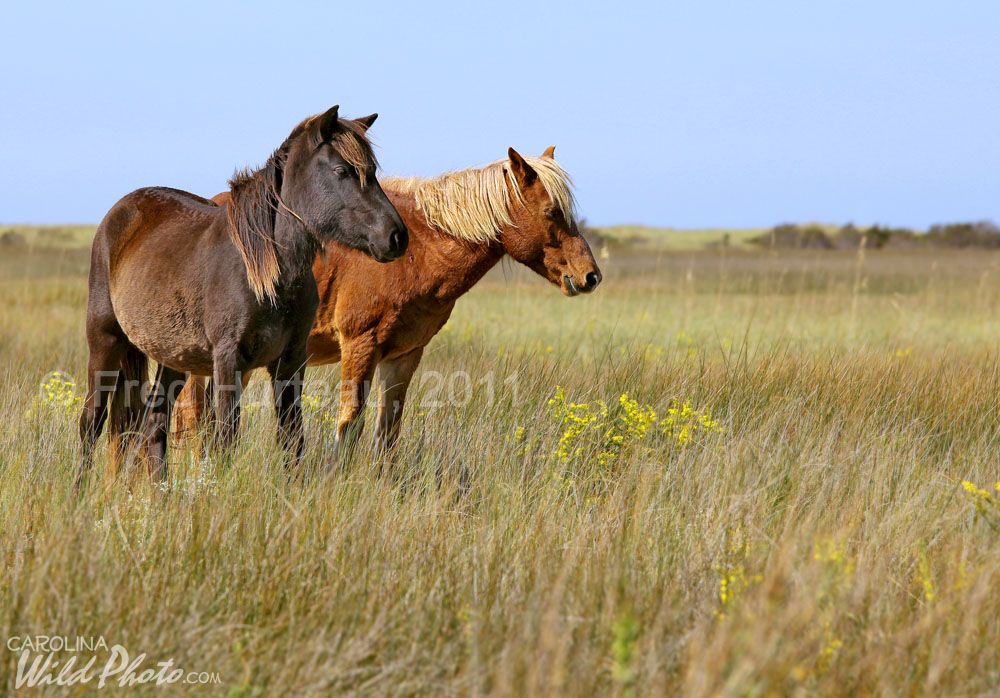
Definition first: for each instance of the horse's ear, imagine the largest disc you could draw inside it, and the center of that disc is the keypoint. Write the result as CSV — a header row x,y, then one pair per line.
x,y
366,121
550,153
328,123
523,172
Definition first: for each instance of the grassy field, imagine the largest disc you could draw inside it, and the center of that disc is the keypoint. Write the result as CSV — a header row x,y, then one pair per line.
x,y
730,474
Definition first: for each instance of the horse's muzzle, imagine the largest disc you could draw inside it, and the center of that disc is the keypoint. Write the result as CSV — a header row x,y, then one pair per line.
x,y
590,281
397,242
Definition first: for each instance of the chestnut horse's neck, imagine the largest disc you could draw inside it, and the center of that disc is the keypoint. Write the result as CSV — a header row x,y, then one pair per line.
x,y
449,265
467,270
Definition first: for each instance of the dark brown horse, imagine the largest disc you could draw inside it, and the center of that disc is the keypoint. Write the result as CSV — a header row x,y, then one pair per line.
x,y
221,290
461,224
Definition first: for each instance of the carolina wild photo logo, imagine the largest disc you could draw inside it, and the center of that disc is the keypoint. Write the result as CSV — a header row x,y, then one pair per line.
x,y
42,661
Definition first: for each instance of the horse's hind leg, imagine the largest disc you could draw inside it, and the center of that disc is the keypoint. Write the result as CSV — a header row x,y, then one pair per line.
x,y
191,413
116,369
106,353
157,427
394,377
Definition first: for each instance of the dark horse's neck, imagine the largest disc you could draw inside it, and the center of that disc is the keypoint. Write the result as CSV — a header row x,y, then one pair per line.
x,y
276,245
296,247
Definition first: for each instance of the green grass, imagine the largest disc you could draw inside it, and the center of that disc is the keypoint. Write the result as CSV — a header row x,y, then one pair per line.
x,y
819,542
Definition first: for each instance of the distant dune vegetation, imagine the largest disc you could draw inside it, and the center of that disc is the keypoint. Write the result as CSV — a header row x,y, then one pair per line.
x,y
821,236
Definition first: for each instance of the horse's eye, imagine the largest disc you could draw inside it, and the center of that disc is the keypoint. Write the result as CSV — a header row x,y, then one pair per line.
x,y
340,170
551,212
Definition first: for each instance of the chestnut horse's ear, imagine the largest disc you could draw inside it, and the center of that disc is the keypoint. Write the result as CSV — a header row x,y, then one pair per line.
x,y
367,121
550,153
522,170
328,123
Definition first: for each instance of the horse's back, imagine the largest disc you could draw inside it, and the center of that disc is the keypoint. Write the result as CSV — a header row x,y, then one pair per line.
x,y
160,246
157,216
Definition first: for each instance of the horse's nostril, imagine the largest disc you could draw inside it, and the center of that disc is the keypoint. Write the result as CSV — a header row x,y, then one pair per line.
x,y
592,278
397,241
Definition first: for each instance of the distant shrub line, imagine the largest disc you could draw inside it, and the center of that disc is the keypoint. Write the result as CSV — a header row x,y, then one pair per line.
x,y
787,236
978,235
53,236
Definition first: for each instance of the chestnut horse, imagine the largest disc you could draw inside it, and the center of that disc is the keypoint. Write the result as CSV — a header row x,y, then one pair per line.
x,y
461,224
221,290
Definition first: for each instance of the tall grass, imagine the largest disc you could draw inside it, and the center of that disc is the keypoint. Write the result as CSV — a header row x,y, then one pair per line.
x,y
817,541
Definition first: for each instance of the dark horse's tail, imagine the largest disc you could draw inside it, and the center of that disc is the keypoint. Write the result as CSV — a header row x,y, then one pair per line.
x,y
127,409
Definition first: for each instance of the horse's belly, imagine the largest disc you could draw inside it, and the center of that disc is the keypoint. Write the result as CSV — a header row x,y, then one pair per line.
x,y
408,330
167,330
323,347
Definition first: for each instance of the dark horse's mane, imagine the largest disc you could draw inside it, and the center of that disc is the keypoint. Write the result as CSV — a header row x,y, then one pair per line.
x,y
256,198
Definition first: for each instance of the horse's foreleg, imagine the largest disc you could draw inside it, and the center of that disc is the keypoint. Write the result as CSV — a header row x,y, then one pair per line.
x,y
157,428
287,377
357,370
394,376
227,385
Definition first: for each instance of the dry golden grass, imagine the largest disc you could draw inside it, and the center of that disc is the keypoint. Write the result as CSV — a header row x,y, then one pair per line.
x,y
816,541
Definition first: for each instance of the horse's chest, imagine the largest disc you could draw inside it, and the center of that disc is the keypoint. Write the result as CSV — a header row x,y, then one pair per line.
x,y
272,331
263,344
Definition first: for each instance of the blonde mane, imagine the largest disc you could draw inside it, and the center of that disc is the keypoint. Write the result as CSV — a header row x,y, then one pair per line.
x,y
475,204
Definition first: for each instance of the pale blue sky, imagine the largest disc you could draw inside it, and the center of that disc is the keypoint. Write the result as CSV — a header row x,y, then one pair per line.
x,y
667,113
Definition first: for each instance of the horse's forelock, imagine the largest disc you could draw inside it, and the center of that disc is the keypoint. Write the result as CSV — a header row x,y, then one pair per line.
x,y
353,144
349,140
